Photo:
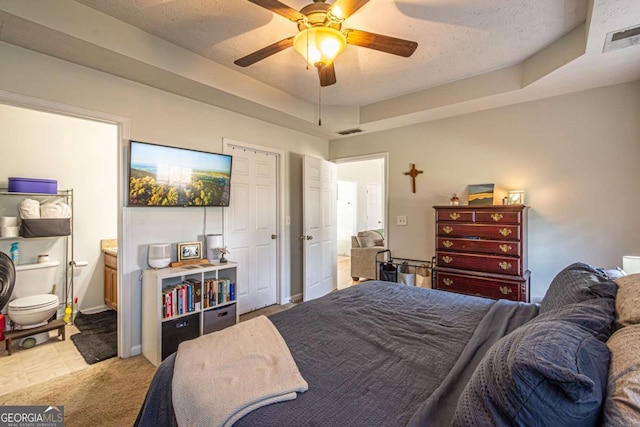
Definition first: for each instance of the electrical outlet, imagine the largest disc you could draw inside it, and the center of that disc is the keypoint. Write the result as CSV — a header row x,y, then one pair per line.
x,y
402,220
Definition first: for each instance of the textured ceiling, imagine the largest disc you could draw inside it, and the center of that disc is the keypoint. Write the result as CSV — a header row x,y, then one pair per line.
x,y
472,55
456,39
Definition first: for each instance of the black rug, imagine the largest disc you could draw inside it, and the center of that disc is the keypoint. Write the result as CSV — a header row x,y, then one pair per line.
x,y
98,337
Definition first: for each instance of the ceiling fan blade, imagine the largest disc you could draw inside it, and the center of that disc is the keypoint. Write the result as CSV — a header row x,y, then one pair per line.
x,y
327,75
382,43
280,8
261,54
347,7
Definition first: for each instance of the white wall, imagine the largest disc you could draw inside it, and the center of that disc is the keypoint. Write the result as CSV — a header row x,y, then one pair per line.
x,y
164,118
362,173
81,155
575,156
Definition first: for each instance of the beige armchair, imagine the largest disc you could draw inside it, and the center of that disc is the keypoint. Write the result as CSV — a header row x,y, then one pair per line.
x,y
364,248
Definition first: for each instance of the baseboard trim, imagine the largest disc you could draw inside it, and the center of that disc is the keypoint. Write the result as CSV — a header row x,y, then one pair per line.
x,y
94,310
296,298
136,350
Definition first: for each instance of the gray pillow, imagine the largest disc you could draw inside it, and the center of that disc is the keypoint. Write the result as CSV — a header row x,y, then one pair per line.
x,y
596,315
577,283
369,238
548,373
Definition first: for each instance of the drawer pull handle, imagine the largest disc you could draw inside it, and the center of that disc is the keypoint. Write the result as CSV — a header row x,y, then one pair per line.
x,y
504,265
447,259
504,290
496,217
447,281
454,216
447,229
505,248
447,243
504,231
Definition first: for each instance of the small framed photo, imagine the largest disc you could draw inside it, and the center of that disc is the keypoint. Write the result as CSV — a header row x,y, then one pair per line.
x,y
189,250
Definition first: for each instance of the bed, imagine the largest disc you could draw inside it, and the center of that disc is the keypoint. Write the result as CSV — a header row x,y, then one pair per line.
x,y
387,354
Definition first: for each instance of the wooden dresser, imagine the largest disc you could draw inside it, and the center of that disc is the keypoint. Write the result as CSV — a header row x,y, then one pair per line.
x,y
482,250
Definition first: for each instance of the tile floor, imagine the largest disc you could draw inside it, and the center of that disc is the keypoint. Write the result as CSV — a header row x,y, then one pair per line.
x,y
26,367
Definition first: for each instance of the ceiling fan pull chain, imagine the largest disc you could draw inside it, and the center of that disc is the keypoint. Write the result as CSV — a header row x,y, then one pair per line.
x,y
319,105
307,59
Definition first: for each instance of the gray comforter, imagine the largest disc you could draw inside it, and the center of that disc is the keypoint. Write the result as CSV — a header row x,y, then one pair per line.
x,y
376,354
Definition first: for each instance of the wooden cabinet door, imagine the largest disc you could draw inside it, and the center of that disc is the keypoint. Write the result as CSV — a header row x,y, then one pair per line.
x,y
111,288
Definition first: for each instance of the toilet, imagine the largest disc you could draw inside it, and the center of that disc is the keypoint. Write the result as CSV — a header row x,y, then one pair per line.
x,y
33,303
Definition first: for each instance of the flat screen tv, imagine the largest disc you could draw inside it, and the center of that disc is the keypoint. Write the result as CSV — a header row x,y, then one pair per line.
x,y
171,176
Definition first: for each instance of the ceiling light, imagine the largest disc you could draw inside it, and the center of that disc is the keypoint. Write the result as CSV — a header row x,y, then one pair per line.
x,y
319,46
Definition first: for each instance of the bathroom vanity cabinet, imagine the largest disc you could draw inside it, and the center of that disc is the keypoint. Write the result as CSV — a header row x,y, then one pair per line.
x,y
111,280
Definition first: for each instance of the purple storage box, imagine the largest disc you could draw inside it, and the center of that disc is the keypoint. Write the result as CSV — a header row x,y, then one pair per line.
x,y
33,185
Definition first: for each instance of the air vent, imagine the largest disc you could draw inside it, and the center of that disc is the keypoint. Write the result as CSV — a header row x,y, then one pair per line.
x,y
622,38
350,131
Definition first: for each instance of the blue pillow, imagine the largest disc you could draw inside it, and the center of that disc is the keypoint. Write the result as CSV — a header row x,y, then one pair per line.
x,y
577,283
551,373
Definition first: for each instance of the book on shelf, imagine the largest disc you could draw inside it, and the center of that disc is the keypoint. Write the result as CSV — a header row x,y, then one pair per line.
x,y
180,299
192,295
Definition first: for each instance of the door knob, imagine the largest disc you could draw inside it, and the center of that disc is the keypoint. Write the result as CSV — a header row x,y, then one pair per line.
x,y
274,236
309,237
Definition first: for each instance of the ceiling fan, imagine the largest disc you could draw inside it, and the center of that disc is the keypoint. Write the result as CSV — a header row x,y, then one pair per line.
x,y
321,38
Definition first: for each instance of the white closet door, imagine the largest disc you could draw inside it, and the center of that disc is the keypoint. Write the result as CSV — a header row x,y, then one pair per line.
x,y
251,227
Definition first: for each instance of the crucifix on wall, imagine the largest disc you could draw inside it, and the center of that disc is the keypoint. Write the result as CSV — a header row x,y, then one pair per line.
x,y
413,173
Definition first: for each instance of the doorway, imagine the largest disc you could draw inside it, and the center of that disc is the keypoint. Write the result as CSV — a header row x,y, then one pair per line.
x,y
362,195
82,155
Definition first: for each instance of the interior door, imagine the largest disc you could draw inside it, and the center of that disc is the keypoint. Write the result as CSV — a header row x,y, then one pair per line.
x,y
374,206
251,226
319,226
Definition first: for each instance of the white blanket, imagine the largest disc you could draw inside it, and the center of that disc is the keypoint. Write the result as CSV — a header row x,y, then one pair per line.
x,y
220,377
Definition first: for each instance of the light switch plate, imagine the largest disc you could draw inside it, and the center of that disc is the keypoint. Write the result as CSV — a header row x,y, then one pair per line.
x,y
402,220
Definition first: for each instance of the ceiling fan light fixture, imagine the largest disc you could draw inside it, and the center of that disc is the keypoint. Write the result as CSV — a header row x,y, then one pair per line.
x,y
335,14
319,46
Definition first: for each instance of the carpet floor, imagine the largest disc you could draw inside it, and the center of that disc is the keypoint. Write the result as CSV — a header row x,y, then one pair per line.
x,y
98,337
109,393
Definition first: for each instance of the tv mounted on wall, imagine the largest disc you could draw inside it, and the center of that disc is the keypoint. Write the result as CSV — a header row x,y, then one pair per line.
x,y
171,176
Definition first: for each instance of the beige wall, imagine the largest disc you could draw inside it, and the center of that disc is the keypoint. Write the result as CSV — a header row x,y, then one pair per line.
x,y
576,157
81,155
164,118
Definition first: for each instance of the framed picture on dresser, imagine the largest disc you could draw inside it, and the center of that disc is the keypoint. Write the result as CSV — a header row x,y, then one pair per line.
x,y
480,194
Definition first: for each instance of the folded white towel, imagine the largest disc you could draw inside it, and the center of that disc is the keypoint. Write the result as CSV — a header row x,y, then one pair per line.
x,y
29,209
56,209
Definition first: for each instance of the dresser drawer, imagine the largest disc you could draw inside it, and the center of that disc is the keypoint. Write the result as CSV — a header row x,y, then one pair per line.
x,y
484,263
498,217
483,231
455,215
494,247
484,287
